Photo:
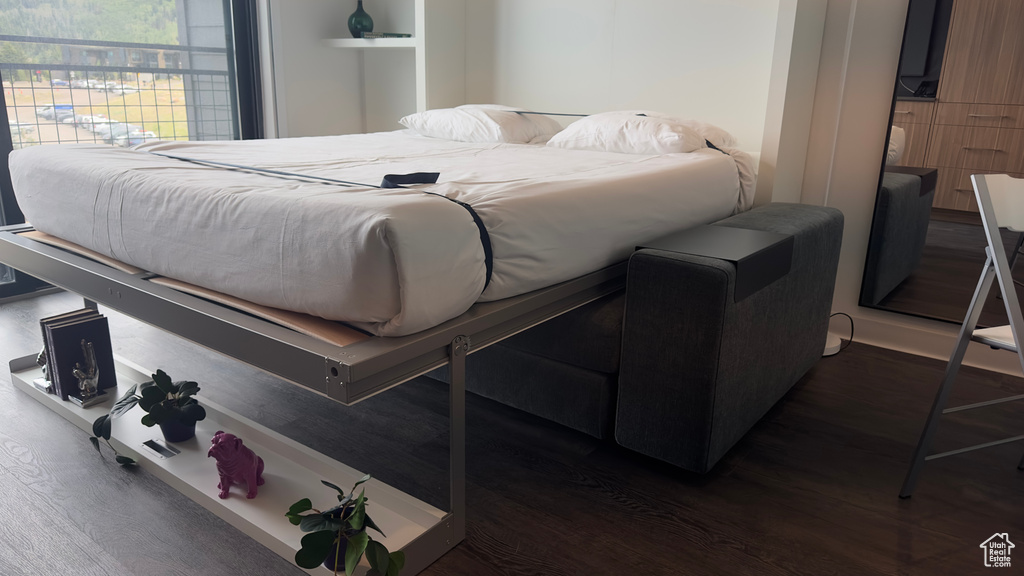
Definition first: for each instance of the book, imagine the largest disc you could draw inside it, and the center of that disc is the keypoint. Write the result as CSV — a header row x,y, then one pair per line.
x,y
372,35
57,319
67,339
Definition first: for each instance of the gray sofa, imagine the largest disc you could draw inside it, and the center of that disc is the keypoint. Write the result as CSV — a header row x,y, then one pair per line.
x,y
899,230
673,368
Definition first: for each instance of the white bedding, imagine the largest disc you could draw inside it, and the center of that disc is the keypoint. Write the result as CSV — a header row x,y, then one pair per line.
x,y
392,262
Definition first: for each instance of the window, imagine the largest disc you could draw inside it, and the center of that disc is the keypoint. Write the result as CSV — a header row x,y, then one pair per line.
x,y
121,73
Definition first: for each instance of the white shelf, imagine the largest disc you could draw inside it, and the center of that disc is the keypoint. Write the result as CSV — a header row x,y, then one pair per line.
x,y
292,471
400,76
372,43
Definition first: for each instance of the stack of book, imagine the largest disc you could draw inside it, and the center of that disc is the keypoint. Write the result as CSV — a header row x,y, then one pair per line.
x,y
66,339
386,35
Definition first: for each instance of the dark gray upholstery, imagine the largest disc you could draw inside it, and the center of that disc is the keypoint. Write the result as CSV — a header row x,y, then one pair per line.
x,y
898,233
676,369
698,370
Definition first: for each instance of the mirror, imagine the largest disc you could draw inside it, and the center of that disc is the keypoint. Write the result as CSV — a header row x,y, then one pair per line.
x,y
958,109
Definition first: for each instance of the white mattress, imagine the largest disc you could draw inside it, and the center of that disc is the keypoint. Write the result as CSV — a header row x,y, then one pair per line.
x,y
392,262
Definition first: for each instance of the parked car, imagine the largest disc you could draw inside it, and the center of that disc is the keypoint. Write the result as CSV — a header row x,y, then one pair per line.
x,y
89,122
118,130
50,112
135,137
59,83
79,84
62,114
102,131
98,84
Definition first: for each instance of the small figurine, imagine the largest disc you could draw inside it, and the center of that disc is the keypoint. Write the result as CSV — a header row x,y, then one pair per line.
x,y
89,375
235,464
44,382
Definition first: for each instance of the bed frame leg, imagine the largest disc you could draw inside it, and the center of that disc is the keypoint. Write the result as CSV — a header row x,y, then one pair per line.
x,y
457,352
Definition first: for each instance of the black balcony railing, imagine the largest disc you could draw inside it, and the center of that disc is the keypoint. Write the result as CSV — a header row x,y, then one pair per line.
x,y
119,93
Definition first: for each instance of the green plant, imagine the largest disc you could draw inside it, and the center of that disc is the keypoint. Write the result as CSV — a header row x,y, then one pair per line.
x,y
346,522
163,401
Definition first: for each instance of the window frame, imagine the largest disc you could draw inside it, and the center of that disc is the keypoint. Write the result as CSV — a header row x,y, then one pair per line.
x,y
242,31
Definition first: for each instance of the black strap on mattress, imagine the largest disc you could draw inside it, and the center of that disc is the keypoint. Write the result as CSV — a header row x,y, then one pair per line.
x,y
397,180
390,181
713,147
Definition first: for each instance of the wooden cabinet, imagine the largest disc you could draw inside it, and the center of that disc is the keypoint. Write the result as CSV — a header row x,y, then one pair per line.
x,y
984,61
978,121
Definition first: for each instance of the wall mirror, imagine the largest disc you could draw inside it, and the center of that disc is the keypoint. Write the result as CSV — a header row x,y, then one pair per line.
x,y
958,109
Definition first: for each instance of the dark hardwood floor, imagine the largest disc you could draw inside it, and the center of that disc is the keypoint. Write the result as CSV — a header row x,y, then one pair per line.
x,y
943,284
810,490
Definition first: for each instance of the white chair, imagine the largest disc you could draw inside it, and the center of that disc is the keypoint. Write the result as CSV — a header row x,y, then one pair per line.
x,y
1001,203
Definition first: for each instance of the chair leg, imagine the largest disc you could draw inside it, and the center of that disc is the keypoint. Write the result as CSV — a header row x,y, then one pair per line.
x,y
1016,250
942,396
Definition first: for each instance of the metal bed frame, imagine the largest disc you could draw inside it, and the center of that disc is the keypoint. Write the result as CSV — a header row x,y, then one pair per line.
x,y
346,374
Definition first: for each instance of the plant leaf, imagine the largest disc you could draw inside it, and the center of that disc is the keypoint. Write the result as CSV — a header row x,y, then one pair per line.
x,y
125,403
358,482
370,524
101,427
315,548
186,388
151,396
300,507
358,516
96,444
147,420
377,555
124,460
315,522
354,551
329,485
397,563
193,411
163,382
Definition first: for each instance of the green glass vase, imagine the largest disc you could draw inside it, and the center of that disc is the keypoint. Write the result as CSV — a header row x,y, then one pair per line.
x,y
359,22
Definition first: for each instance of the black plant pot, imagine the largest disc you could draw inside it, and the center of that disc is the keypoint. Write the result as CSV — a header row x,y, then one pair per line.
x,y
178,431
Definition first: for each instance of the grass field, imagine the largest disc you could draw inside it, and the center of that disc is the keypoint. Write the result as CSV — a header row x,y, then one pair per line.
x,y
158,106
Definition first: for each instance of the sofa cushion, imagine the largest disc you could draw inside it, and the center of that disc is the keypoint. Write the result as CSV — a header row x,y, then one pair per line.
x,y
588,337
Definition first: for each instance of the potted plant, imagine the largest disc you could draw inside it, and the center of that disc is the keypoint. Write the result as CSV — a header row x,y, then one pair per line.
x,y
168,404
340,530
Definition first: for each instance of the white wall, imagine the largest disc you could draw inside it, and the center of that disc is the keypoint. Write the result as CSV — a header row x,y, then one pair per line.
x,y
587,56
318,88
857,71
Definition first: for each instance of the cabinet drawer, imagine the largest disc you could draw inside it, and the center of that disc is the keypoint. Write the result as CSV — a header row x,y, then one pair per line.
x,y
1013,117
912,112
987,115
949,194
1012,141
966,147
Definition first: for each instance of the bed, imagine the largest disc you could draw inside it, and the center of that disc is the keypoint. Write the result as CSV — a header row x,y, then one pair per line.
x,y
390,262
143,232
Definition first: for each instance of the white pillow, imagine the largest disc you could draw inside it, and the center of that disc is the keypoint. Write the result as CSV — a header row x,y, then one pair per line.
x,y
482,123
628,132
709,132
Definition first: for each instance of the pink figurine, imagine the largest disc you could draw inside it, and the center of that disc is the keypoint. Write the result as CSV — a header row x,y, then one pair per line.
x,y
235,464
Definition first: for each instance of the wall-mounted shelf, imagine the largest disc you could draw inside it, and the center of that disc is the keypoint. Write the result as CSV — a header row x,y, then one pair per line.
x,y
400,76
372,43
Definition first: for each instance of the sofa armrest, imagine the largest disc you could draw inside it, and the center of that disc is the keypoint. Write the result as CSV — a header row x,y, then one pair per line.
x,y
698,369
